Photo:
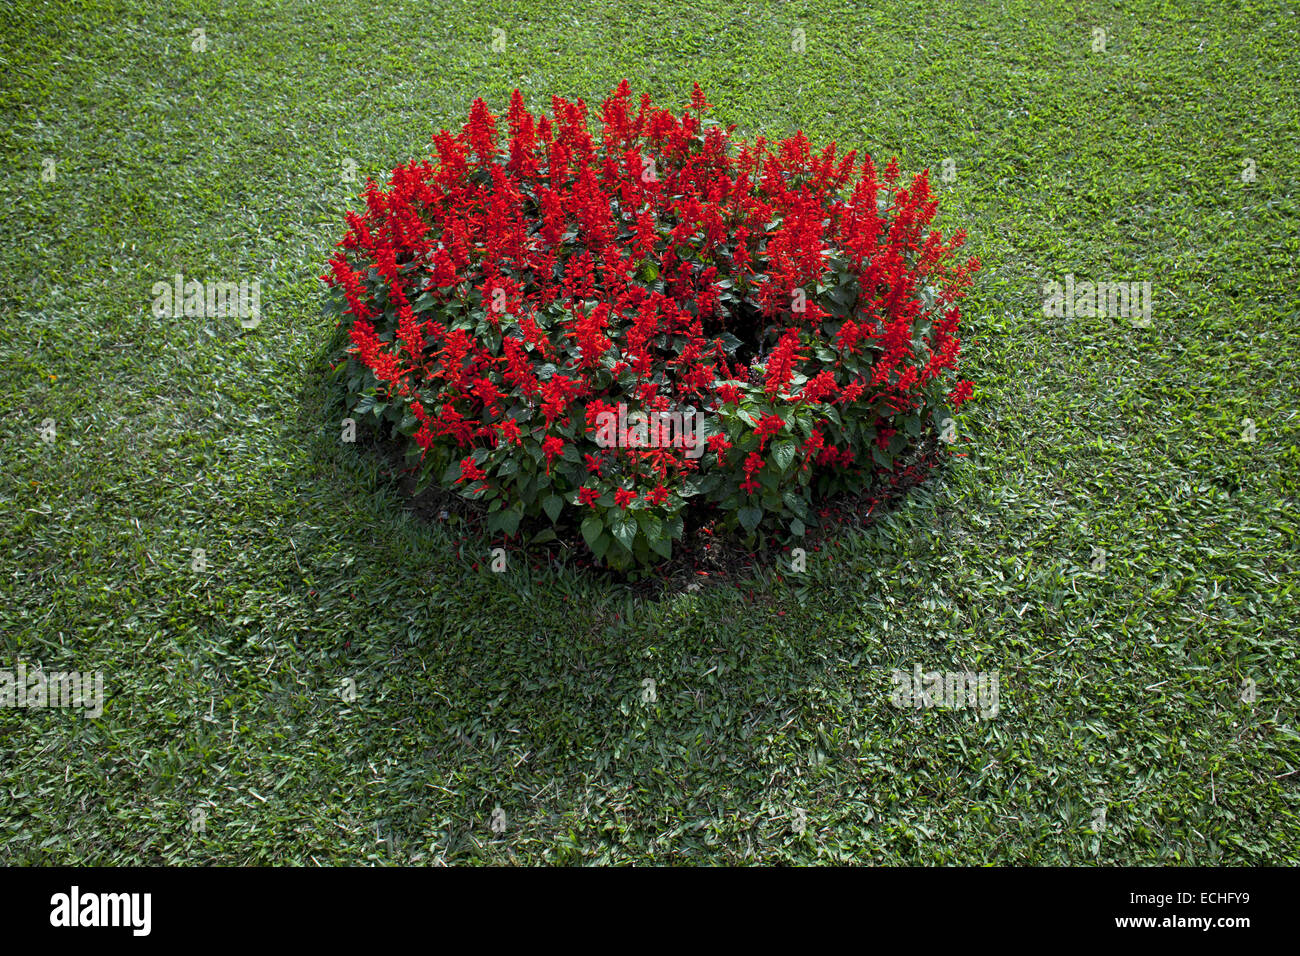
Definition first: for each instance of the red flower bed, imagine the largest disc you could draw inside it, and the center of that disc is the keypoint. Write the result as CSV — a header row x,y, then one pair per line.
x,y
610,328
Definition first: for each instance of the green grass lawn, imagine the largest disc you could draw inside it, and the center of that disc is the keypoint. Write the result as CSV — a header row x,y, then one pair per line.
x,y
772,738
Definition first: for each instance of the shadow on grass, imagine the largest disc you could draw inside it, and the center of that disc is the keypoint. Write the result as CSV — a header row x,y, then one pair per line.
x,y
547,688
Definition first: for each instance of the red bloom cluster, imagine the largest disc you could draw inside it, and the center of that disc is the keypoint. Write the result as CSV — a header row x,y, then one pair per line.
x,y
541,268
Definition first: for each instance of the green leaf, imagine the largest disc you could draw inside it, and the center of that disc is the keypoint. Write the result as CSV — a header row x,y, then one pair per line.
x,y
552,505
506,521
749,517
795,503
592,527
625,530
783,453
650,524
729,342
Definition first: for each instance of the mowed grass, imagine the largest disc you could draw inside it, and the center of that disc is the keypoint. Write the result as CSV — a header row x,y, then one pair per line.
x,y
1123,688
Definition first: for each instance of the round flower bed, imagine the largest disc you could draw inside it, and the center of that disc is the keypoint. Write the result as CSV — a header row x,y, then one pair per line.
x,y
612,330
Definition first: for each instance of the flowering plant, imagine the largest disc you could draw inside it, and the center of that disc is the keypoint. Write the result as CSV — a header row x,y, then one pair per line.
x,y
538,308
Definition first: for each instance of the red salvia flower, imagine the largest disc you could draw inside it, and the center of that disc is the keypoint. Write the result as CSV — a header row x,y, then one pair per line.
x,y
959,395
552,447
768,426
753,464
589,261
470,471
